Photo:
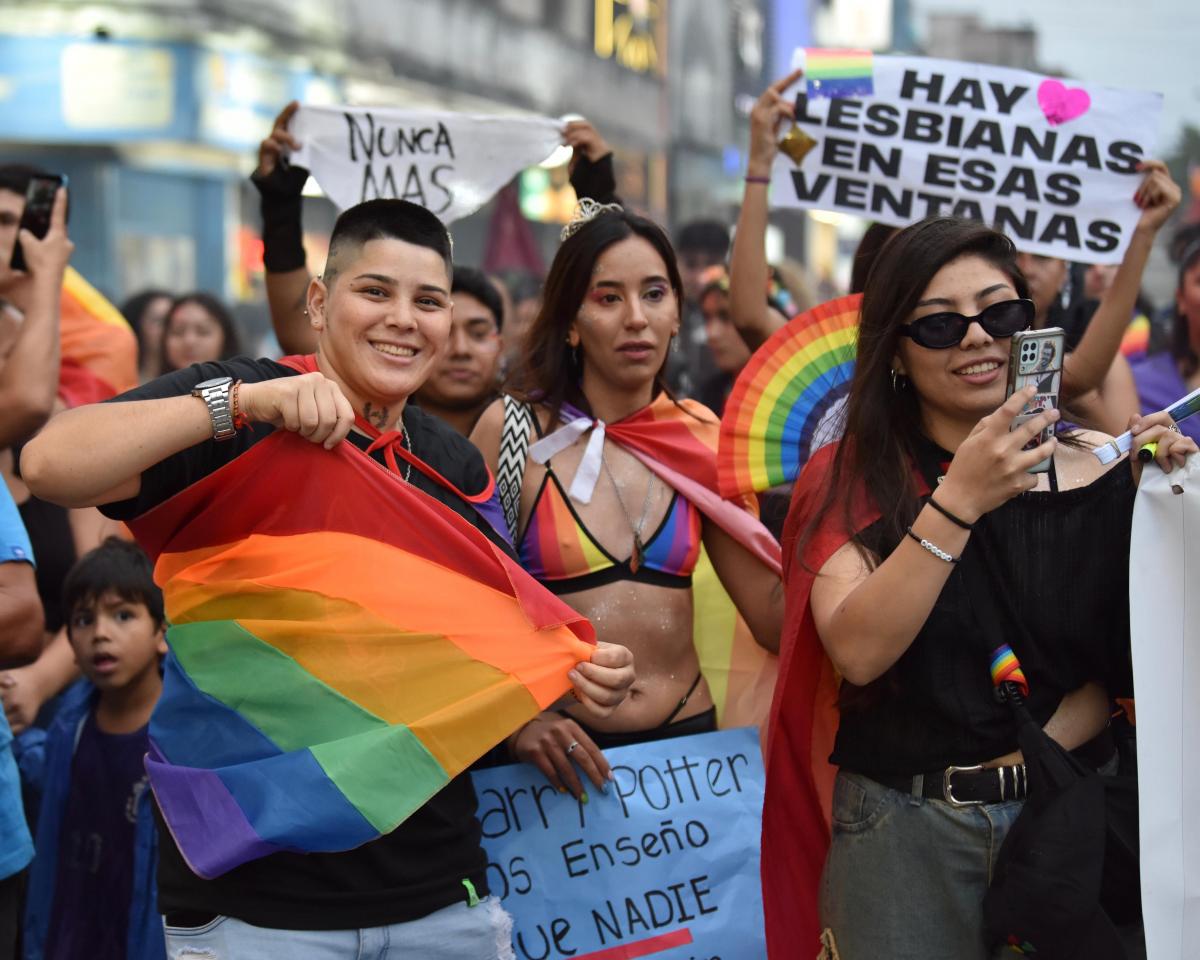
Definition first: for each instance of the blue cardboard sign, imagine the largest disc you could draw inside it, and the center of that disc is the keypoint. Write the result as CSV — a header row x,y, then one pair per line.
x,y
663,864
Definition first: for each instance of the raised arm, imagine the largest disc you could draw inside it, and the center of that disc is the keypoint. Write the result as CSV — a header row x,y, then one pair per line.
x,y
867,618
1086,367
748,270
280,187
1109,407
29,376
591,167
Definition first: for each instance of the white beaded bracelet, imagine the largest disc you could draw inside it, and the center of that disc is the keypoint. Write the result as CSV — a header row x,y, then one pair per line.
x,y
933,548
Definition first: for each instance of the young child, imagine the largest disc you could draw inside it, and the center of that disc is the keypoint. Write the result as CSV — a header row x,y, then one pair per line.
x,y
91,886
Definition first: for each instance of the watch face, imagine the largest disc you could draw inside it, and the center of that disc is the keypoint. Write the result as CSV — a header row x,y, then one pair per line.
x,y
214,382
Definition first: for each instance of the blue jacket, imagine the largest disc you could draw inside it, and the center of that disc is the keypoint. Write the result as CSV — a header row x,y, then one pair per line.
x,y
145,925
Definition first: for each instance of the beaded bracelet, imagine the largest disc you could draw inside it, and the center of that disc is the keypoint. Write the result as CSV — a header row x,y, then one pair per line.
x,y
239,419
750,179
933,548
958,522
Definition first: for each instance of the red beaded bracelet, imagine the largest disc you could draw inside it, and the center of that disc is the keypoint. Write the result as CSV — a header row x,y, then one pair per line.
x,y
239,419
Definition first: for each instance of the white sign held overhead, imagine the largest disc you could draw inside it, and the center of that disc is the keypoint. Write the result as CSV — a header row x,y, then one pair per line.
x,y
450,163
1051,163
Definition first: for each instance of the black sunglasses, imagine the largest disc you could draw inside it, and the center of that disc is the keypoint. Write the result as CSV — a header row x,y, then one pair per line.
x,y
939,331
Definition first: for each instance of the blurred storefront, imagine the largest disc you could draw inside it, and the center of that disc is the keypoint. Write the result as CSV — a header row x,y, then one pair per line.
x,y
155,112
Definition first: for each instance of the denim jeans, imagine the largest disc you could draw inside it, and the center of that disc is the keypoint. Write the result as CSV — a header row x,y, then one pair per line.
x,y
482,932
906,876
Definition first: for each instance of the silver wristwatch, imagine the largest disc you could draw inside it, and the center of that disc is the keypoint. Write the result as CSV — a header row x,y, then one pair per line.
x,y
217,396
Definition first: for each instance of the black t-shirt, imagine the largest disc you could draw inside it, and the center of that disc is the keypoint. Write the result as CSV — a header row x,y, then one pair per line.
x,y
421,865
1046,573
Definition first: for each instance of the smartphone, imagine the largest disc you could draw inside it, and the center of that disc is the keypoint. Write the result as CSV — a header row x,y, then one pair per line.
x,y
39,202
1036,359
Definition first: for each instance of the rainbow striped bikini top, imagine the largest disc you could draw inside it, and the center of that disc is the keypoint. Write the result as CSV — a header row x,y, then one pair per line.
x,y
558,551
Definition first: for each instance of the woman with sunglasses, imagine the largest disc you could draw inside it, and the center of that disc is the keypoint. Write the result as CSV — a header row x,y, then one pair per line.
x,y
912,546
599,521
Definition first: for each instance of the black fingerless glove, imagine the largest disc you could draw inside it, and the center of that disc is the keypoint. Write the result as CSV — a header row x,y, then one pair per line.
x,y
595,180
281,202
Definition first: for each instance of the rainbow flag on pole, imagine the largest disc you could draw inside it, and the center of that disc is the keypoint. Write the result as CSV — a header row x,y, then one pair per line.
x,y
341,646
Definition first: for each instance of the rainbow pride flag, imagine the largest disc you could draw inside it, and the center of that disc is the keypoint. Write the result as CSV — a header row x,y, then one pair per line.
x,y
99,350
341,646
839,73
1136,340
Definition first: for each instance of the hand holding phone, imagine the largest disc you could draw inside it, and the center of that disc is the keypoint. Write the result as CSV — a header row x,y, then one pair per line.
x,y
1036,360
39,207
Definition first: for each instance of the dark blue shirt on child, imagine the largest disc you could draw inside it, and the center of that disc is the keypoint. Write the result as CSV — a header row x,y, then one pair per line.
x,y
94,884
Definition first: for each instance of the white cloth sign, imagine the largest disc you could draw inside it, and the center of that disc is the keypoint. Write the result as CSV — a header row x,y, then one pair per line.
x,y
450,163
1164,596
1050,163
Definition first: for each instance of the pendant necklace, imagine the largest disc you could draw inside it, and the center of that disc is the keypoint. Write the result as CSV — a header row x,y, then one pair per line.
x,y
639,548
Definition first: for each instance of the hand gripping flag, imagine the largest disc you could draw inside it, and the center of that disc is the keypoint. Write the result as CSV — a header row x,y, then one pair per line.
x,y
341,646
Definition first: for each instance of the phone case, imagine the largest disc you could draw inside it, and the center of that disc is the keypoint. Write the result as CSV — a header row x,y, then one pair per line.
x,y
39,203
1036,359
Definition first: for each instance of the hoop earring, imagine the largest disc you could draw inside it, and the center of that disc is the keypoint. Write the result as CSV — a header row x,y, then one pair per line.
x,y
898,381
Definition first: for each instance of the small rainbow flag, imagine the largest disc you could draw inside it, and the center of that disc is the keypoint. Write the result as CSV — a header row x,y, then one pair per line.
x,y
341,646
839,73
1006,668
99,350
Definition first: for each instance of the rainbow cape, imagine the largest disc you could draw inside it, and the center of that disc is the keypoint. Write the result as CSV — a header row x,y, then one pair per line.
x,y
804,716
341,646
677,440
99,350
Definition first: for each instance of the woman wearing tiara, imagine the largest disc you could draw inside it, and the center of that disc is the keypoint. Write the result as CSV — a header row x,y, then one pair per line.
x,y
617,495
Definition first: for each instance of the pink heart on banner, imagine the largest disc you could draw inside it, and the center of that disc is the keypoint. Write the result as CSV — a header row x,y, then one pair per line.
x,y
1060,103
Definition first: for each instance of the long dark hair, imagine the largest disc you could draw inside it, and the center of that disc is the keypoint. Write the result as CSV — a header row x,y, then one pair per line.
x,y
549,374
231,342
883,424
1181,339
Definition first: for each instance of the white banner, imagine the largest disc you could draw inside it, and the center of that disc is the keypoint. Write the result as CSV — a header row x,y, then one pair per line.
x,y
1051,163
450,163
1164,597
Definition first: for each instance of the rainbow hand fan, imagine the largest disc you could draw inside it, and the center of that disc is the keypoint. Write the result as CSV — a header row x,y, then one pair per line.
x,y
782,395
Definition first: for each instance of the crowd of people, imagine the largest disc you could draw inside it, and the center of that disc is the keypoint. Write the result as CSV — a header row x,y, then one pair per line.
x,y
540,414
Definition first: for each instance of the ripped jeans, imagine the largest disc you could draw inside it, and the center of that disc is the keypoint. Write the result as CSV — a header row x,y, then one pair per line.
x,y
482,932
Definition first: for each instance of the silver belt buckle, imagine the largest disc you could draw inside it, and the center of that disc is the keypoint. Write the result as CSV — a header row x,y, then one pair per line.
x,y
948,793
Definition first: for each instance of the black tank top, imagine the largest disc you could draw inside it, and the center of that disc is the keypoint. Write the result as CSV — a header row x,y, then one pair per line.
x,y
1058,566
